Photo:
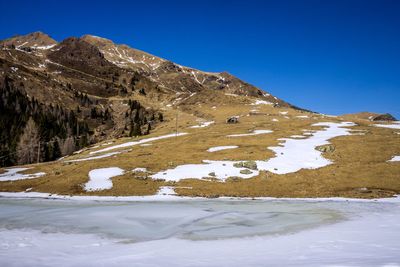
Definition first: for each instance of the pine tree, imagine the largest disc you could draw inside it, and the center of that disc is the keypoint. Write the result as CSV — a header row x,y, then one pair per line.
x,y
148,128
160,117
27,148
56,150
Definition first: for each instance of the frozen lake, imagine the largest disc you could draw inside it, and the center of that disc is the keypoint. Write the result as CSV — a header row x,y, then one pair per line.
x,y
42,232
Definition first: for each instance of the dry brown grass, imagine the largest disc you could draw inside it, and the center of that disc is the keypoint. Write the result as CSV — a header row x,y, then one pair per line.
x,y
359,160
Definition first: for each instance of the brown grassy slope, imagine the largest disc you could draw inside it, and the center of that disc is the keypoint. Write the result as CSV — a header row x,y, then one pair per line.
x,y
359,160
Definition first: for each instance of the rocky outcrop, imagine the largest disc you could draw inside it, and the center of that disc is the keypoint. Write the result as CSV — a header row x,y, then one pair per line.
x,y
326,148
252,165
384,117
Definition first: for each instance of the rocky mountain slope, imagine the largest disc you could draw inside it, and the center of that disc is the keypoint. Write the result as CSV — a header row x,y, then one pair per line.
x,y
120,121
94,89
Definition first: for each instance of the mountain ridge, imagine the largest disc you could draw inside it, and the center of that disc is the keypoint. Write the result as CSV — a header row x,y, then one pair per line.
x,y
93,79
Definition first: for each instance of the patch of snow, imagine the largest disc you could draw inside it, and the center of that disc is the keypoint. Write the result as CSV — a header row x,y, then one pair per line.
x,y
228,94
395,158
96,157
391,126
146,144
297,136
221,169
12,174
49,196
45,47
100,179
166,191
291,156
283,112
139,142
302,116
296,154
261,102
203,124
255,132
275,119
14,69
218,148
328,116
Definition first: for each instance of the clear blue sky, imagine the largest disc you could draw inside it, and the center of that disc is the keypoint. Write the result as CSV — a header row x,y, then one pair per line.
x,y
329,56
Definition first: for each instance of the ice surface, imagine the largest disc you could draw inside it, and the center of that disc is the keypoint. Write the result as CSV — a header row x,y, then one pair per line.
x,y
199,233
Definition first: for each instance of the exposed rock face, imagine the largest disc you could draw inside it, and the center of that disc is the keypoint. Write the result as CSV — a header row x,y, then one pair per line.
x,y
246,171
252,165
326,148
35,40
232,120
384,117
93,89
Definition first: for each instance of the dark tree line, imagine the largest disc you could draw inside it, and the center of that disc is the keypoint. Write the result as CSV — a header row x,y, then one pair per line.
x,y
27,125
139,120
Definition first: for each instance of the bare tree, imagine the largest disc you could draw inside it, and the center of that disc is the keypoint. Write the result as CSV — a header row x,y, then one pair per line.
x,y
28,145
68,146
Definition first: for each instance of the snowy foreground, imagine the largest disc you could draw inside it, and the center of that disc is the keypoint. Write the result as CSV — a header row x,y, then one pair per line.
x,y
49,232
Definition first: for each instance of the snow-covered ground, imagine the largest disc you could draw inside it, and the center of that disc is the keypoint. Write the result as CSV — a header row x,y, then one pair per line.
x,y
291,156
255,132
135,143
199,233
221,169
96,157
390,126
296,154
13,174
260,102
395,158
203,124
219,148
100,179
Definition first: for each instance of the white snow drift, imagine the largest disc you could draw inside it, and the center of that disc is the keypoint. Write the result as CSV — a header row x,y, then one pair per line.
x,y
203,124
260,102
209,169
395,158
390,126
134,143
12,174
219,148
255,132
96,157
291,156
100,179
